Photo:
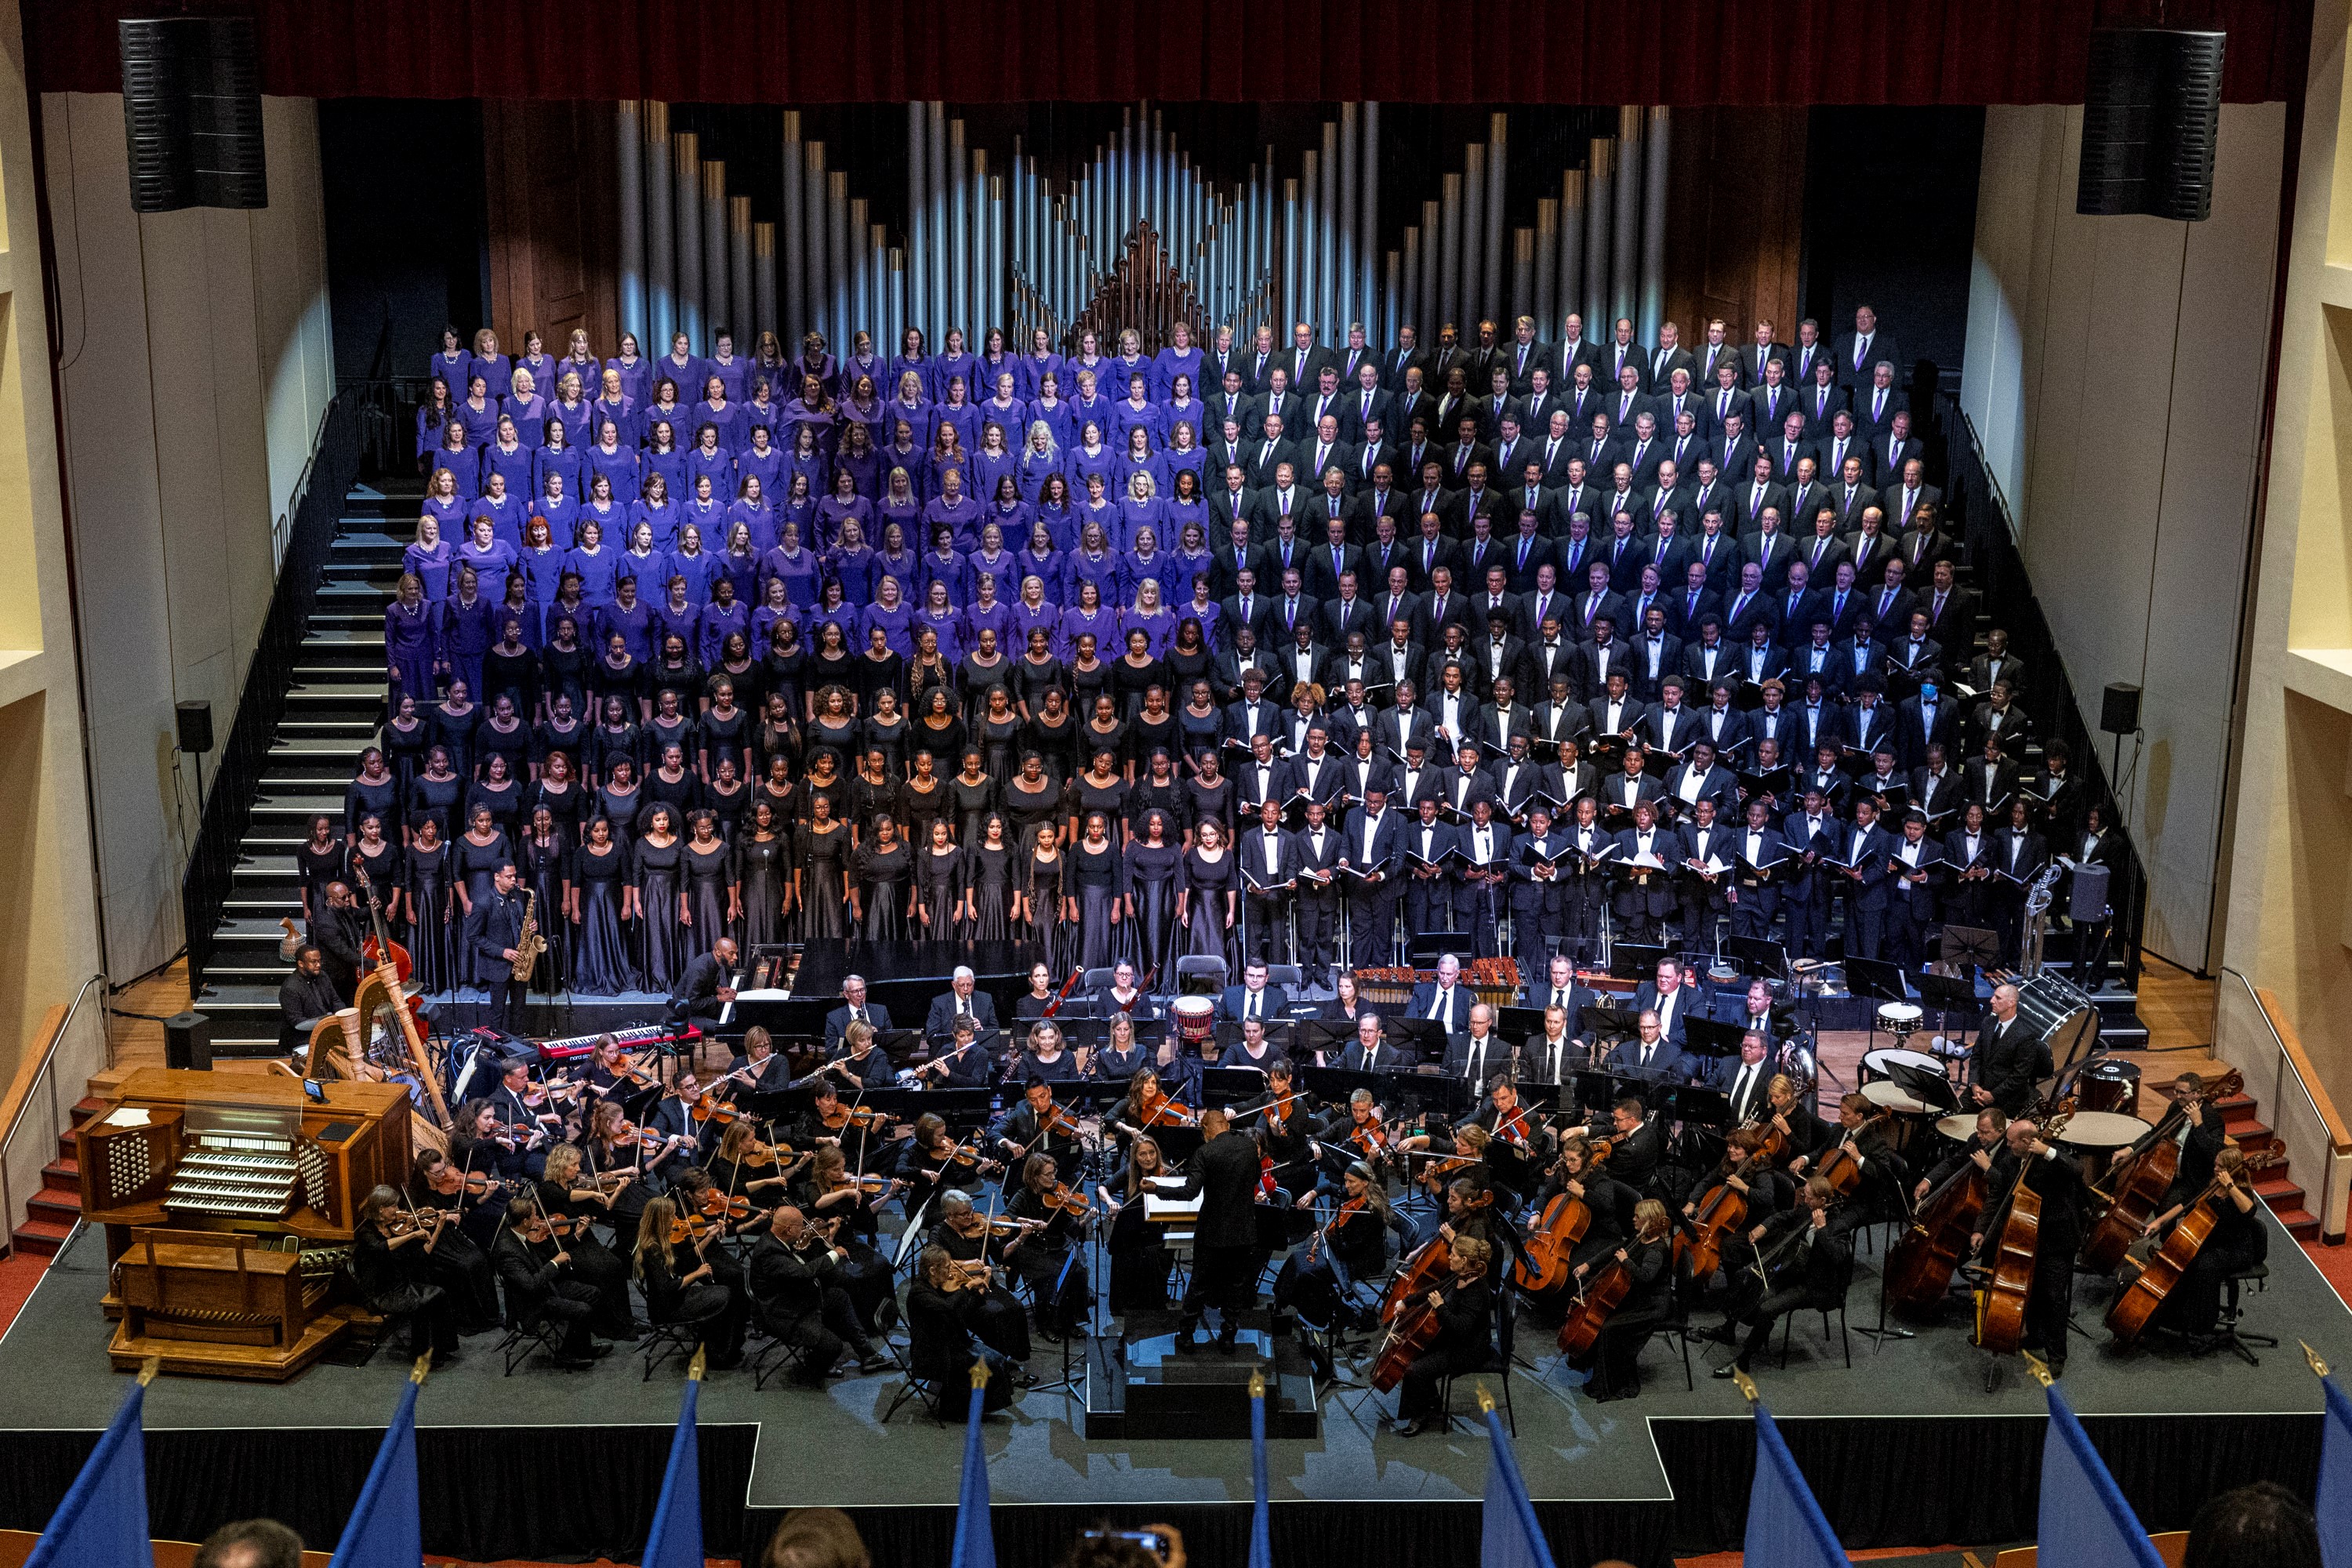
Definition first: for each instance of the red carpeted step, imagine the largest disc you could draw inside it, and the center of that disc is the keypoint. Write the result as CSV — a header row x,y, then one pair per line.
x,y
62,1176
60,1209
42,1237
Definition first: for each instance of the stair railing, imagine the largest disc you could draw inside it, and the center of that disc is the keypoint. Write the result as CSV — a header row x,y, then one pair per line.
x,y
38,1073
236,774
2251,1032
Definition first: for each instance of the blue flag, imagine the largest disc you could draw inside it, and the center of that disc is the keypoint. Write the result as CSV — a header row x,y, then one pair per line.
x,y
2086,1522
1261,1546
676,1537
2334,1509
1786,1527
386,1528
102,1523
975,1537
1508,1535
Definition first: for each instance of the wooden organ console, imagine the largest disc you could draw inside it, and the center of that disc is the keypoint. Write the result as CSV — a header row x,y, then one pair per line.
x,y
228,1203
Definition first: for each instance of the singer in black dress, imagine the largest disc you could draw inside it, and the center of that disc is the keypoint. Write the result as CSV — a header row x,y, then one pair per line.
x,y
940,889
879,891
601,903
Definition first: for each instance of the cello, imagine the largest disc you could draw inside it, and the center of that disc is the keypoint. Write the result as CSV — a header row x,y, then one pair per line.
x,y
1543,1264
1843,1170
1919,1265
2002,1325
2141,1180
2137,1303
1414,1330
1430,1264
1722,1211
1604,1292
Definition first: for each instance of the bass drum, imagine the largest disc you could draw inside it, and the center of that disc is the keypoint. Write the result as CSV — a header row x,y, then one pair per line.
x,y
2062,1015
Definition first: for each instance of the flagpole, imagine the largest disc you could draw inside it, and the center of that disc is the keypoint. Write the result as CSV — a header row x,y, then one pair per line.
x,y
975,1537
1261,1546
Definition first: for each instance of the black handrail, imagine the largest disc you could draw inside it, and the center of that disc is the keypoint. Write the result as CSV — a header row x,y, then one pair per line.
x,y
238,774
1999,572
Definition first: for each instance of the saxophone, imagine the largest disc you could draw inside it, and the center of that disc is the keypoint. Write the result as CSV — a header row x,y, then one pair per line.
x,y
529,944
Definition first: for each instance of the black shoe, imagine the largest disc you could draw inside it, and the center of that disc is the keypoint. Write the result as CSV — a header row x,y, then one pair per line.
x,y
727,1363
597,1352
572,1362
2057,1370
1728,1371
1228,1341
1188,1342
1023,1377
873,1364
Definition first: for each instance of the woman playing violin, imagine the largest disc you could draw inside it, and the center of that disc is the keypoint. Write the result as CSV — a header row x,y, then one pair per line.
x,y
1350,1244
563,1192
681,1286
934,1160
1148,1105
1284,1131
1039,1253
1350,1133
611,1073
455,1260
746,1167
827,1190
975,1243
390,1262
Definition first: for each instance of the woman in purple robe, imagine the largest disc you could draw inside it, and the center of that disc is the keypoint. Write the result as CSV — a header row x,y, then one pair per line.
x,y
1005,512
645,560
1136,412
739,564
555,506
490,558
478,412
1040,361
495,369
1088,617
752,512
571,408
457,454
1138,458
691,559
799,508
429,559
704,511
1004,406
813,410
611,457
893,558
863,361
1184,458
1146,560
655,514
958,413
940,616
1150,614
953,361
614,404
1035,608
717,412
433,416
1180,358
842,506
710,459
762,411
954,508
1041,560
816,364
794,566
850,562
610,516
678,613
1100,511
769,362
498,503
775,607
1183,409
1054,408
1089,404
858,455
942,563
679,365
597,565
911,360
763,460
662,456
535,359
862,406
411,641
892,616
910,405
994,461
987,610
835,626
541,564
450,363
727,616
1090,459
466,629
804,458
556,453
526,409
1041,460
579,359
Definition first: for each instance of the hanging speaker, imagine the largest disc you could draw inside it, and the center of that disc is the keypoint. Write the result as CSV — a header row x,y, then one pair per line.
x,y
192,113
2151,114
195,727
2119,709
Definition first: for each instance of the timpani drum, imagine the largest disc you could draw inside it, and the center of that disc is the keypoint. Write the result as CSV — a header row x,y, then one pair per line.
x,y
1960,1126
1879,1063
2101,1130
1889,1096
2108,1085
1196,1020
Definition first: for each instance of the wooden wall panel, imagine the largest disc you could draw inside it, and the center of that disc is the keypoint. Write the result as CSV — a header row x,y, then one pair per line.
x,y
1735,227
549,183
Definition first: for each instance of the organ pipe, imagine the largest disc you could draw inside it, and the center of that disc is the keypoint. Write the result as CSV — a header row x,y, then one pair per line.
x,y
860,245
935,227
1546,264
958,296
743,307
1327,238
1655,147
812,236
628,144
1347,268
791,306
1523,277
1471,302
685,175
1498,135
1378,308
764,281
1432,237
661,297
1449,253
1625,228
918,209
1600,190
836,244
717,306
1572,295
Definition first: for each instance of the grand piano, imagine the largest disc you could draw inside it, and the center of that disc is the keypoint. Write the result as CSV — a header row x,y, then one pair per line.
x,y
804,980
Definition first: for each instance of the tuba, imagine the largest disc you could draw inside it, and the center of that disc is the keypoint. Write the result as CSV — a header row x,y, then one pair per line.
x,y
529,944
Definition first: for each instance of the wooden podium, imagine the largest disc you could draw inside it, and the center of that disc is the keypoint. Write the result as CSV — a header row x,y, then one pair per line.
x,y
228,1203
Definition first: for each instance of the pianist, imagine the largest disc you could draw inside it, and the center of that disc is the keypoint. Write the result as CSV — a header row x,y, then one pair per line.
x,y
706,988
305,999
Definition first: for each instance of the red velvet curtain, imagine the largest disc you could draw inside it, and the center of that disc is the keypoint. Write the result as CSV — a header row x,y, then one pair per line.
x,y
1471,51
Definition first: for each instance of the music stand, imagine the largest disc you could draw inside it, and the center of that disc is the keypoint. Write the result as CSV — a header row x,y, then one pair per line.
x,y
1971,946
1932,1090
1518,1024
1424,1037
1949,994
1432,945
1877,979
1760,956
1712,1037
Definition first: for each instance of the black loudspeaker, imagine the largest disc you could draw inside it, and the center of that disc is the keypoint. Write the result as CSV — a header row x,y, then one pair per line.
x,y
2151,114
2119,709
2087,900
195,727
188,1042
192,113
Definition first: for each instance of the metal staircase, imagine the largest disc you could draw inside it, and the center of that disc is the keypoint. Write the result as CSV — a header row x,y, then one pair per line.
x,y
332,710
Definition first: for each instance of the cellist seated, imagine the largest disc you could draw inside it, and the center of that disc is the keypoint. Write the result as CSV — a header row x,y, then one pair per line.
x,y
1800,1263
1465,1307
1647,1257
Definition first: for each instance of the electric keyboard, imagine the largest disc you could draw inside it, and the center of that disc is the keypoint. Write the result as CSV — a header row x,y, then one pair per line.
x,y
645,1037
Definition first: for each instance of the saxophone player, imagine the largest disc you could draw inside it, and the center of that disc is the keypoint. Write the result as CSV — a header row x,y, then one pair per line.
x,y
492,944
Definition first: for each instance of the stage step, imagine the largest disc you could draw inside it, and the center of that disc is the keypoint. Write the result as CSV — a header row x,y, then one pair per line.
x,y
42,1238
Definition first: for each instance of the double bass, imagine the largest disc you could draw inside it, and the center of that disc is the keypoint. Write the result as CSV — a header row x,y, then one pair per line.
x,y
2003,1323
2140,1180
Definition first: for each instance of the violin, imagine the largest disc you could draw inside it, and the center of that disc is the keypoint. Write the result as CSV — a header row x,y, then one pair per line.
x,y
629,1132
712,1108
1066,1199
720,1206
403,1222
448,1181
1368,1139
1345,1212
688,1228
864,1118
761,1156
867,1187
1163,1110
1058,1119
545,1226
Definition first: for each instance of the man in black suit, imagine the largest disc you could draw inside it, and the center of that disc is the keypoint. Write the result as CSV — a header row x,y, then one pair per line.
x,y
492,928
705,987
2009,1056
2052,1174
1224,1177
1745,1078
854,1009
306,999
964,999
1862,349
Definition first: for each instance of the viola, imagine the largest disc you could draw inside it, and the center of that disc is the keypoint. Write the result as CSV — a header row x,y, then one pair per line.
x,y
761,1156
1604,1292
1065,1199
546,1226
864,1118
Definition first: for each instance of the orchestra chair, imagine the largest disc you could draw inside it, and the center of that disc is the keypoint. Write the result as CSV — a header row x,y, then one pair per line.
x,y
1676,1325
776,1355
677,1340
2231,1335
1208,967
1497,1364
1289,976
1095,980
526,1337
1846,1342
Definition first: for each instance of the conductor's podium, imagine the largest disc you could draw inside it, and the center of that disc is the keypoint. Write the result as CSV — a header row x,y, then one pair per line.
x,y
228,1201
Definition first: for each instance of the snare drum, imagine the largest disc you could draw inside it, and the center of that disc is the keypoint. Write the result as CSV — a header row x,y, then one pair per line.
x,y
2108,1085
1899,1018
1196,1019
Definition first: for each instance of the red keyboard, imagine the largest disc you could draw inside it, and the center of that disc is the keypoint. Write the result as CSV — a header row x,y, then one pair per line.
x,y
574,1047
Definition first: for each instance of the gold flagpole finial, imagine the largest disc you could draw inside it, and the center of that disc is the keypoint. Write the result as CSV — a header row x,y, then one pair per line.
x,y
1747,1386
2317,1365
1485,1401
2039,1368
978,1373
147,1370
423,1367
699,1365
1257,1385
